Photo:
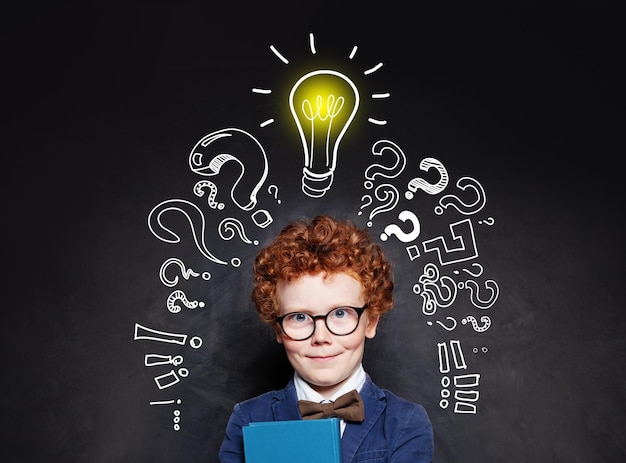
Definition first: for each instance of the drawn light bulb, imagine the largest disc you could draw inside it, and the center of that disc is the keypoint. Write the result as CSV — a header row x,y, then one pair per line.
x,y
323,104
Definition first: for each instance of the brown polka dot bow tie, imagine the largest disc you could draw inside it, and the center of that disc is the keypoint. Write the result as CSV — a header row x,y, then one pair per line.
x,y
348,407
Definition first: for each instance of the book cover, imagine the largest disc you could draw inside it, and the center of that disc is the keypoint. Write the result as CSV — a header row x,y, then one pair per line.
x,y
298,441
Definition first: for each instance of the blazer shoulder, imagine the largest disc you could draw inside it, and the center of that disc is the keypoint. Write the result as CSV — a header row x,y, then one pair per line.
x,y
396,406
268,406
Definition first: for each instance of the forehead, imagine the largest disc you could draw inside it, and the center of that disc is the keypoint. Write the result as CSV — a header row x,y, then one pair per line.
x,y
319,290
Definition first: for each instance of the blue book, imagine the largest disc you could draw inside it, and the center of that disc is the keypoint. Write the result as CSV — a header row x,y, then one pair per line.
x,y
298,441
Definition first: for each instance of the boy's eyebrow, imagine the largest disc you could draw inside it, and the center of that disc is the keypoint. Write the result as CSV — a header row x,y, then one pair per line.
x,y
310,311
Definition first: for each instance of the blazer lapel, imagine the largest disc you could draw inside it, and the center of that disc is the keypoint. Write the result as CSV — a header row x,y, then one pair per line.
x,y
354,434
285,403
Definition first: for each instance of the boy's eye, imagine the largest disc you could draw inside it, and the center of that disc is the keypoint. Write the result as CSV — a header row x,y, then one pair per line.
x,y
339,312
300,317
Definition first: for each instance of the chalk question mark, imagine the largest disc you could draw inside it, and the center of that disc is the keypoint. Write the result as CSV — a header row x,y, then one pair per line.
x,y
419,183
179,295
367,199
185,272
464,183
443,325
198,190
395,230
478,273
389,195
275,188
194,217
230,227
214,150
379,149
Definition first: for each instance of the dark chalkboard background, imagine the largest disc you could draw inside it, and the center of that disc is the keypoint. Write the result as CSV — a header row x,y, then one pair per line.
x,y
102,106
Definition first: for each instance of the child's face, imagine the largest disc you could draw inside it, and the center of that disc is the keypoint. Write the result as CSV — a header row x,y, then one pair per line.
x,y
324,360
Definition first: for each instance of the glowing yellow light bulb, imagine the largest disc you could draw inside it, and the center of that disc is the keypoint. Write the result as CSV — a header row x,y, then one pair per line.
x,y
323,104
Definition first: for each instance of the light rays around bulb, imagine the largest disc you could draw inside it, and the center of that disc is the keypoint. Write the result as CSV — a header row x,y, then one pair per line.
x,y
313,50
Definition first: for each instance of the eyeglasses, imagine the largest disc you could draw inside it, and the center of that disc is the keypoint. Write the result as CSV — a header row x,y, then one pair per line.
x,y
341,321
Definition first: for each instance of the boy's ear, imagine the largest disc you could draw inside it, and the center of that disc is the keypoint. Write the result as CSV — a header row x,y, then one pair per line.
x,y
279,333
372,324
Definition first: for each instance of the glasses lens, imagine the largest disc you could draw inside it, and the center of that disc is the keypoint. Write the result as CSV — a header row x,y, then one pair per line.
x,y
342,320
298,325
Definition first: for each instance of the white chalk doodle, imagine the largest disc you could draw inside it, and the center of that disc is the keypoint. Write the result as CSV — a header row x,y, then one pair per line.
x,y
435,290
275,193
179,295
476,293
381,148
373,69
413,251
185,272
465,398
457,354
389,196
232,145
444,357
278,54
195,219
464,183
142,332
485,320
419,183
152,360
262,218
203,185
367,201
443,325
398,232
478,273
231,227
150,334
166,402
170,378
461,247
445,392
176,420
468,380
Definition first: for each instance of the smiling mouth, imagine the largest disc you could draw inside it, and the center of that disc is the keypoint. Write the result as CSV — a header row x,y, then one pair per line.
x,y
322,358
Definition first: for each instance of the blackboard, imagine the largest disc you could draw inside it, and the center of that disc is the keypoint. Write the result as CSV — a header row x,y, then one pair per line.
x,y
509,322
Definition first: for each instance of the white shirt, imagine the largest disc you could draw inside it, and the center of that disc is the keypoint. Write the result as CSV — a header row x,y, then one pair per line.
x,y
306,392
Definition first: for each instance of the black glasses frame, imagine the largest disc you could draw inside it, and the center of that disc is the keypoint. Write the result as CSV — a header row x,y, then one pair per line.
x,y
359,311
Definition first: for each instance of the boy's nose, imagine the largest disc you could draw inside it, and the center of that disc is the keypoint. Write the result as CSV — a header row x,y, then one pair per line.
x,y
321,333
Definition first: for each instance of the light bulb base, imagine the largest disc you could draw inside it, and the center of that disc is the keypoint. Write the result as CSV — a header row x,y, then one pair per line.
x,y
316,185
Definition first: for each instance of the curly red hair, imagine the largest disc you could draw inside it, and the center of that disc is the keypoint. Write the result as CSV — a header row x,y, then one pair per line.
x,y
322,244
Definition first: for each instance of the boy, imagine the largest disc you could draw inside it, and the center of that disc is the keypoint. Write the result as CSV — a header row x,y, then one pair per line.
x,y
323,285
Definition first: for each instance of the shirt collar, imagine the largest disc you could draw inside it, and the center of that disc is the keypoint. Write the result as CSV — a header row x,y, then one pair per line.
x,y
306,392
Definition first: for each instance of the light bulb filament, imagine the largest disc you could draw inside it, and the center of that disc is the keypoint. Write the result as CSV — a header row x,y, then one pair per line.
x,y
321,112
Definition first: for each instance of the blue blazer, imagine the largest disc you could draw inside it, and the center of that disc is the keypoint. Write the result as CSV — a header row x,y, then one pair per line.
x,y
395,430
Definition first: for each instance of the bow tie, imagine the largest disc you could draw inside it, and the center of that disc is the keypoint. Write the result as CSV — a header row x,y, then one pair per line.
x,y
348,407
